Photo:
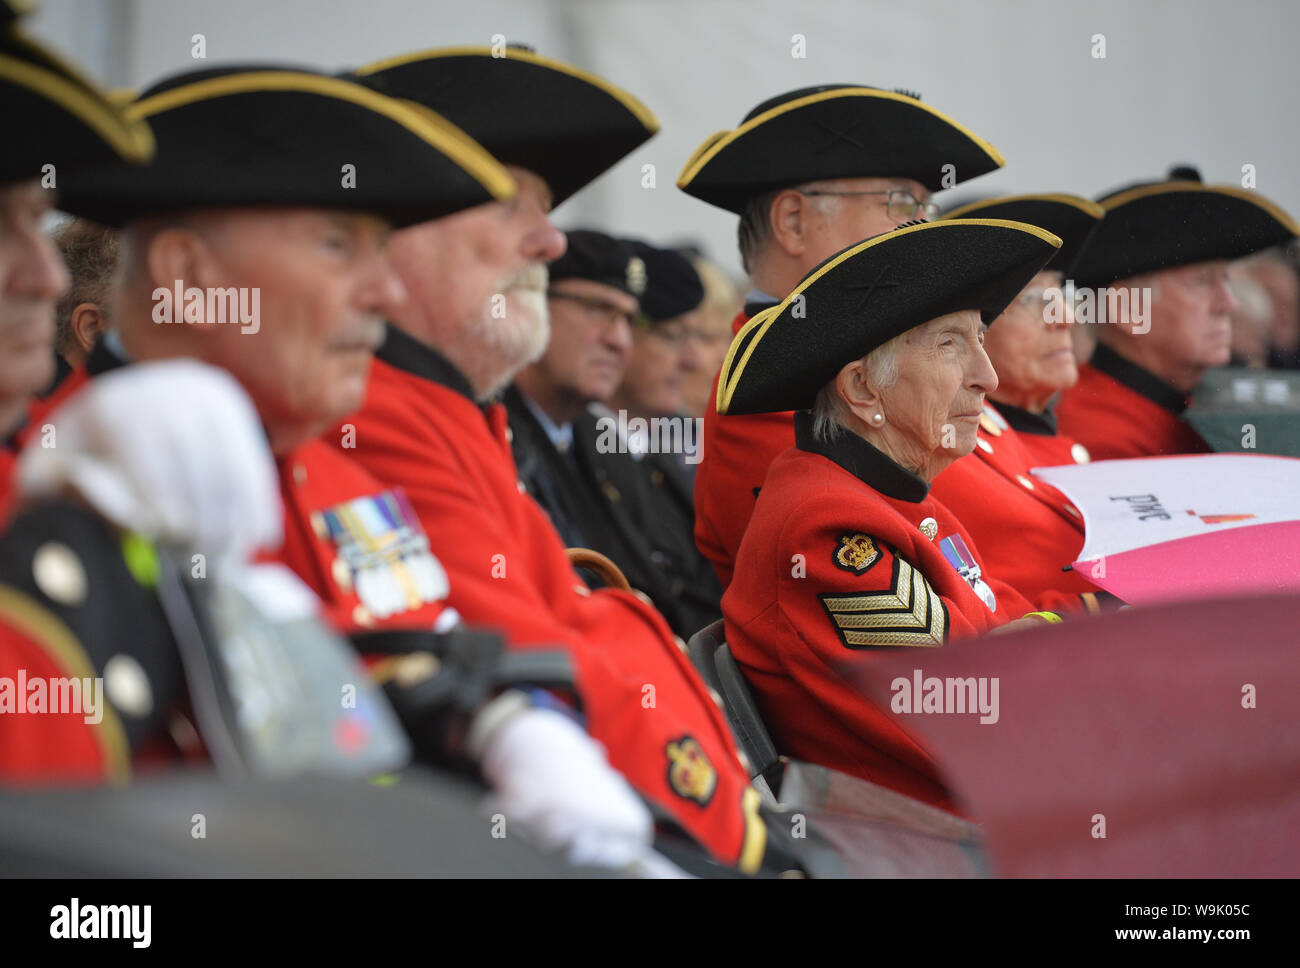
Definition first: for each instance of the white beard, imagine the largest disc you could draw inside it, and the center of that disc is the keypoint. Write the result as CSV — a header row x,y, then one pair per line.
x,y
511,342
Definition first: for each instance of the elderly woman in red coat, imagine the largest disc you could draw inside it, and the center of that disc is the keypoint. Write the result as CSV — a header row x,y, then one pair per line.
x,y
848,556
1026,529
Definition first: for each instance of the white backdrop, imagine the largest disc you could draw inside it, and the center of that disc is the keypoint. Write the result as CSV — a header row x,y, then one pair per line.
x,y
1211,82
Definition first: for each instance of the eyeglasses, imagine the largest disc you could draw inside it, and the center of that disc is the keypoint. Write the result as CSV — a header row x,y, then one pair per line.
x,y
1034,298
674,334
901,205
601,309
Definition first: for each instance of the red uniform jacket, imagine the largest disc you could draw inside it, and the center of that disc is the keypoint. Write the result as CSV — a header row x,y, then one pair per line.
x,y
357,544
734,458
1026,529
8,466
1040,438
843,559
421,429
32,426
50,747
1118,410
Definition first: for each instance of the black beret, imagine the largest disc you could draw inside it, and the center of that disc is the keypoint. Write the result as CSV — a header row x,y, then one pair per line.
x,y
673,287
866,295
558,121
277,135
52,115
600,258
1070,218
1160,225
833,131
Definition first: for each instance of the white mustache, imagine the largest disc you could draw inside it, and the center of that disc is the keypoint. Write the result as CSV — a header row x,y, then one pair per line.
x,y
532,277
369,334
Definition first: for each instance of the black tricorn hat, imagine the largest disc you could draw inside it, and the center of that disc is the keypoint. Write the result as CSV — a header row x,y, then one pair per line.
x,y
673,287
1071,218
868,294
598,257
834,131
274,135
1160,225
52,115
560,122
11,10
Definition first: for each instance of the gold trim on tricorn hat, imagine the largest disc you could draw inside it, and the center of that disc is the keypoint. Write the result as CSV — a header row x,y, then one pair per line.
x,y
868,294
11,10
53,115
564,124
1179,222
837,131
1072,218
271,135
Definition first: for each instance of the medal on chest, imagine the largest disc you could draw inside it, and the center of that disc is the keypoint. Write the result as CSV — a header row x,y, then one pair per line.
x,y
386,552
959,556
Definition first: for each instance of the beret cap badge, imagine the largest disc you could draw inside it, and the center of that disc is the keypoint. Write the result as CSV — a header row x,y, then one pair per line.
x,y
636,275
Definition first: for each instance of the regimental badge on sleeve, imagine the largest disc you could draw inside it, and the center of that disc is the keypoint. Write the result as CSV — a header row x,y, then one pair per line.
x,y
907,613
855,553
690,774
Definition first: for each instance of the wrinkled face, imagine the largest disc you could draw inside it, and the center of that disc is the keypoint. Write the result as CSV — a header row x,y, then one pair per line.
x,y
663,357
1191,315
845,220
943,374
591,339
476,282
1034,358
323,288
32,277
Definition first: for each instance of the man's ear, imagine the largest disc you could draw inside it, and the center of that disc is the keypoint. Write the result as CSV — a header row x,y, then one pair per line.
x,y
788,219
87,322
177,254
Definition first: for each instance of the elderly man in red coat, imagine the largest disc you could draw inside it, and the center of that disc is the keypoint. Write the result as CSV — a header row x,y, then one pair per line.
x,y
474,317
809,172
1159,265
307,251
53,124
1027,530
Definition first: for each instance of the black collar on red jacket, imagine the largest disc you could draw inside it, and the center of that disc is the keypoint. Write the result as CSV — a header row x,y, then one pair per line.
x,y
863,461
408,354
1139,380
62,370
1024,422
102,359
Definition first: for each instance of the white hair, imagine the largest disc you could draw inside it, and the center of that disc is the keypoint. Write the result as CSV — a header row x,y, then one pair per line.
x,y
830,413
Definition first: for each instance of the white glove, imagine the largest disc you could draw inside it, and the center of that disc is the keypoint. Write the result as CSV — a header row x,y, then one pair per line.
x,y
172,449
553,780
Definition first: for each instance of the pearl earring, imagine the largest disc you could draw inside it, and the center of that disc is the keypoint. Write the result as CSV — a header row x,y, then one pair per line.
x,y
877,419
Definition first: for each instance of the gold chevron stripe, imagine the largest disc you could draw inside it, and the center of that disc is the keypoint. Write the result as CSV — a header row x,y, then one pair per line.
x,y
909,613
